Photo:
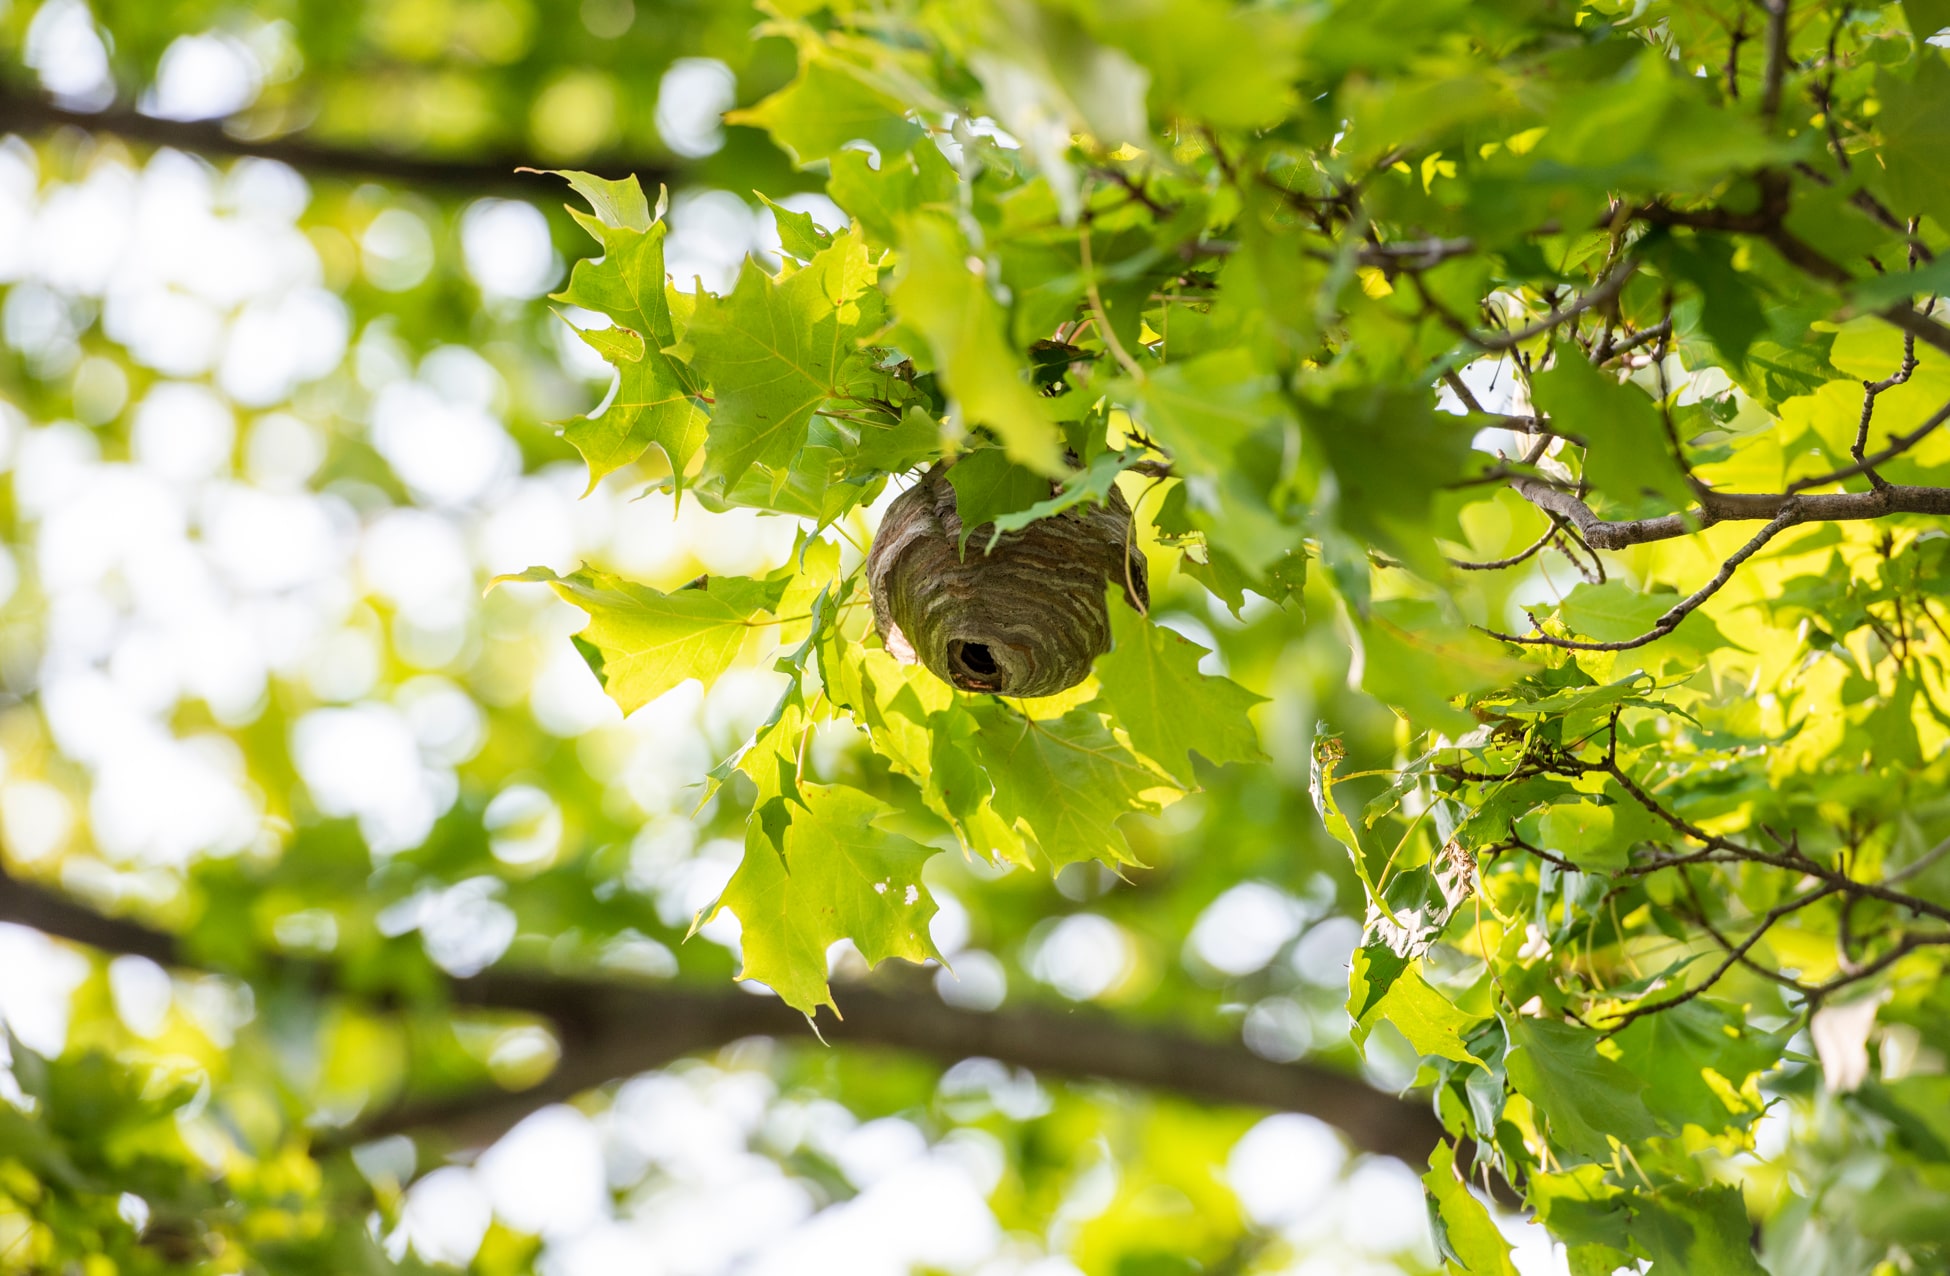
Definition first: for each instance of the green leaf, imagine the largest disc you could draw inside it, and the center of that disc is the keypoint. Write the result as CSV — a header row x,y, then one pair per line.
x,y
1390,452
958,788
1433,1024
919,726
1581,1208
1221,574
1918,1107
657,396
1926,17
1902,286
949,305
901,447
1585,1098
1372,971
1228,580
799,235
775,350
1694,1058
1225,66
1915,126
1201,410
987,485
1469,1235
1093,483
829,105
1415,657
1731,313
1582,833
618,204
1368,854
1065,782
1626,453
771,761
641,643
1697,1230
1152,687
839,875
881,198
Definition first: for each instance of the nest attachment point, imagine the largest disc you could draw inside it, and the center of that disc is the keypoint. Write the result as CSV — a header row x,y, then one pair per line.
x,y
1025,618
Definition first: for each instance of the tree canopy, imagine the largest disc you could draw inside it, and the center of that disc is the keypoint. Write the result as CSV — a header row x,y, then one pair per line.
x,y
1527,759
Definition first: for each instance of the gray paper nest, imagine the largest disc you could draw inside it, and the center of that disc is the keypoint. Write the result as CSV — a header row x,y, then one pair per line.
x,y
1025,618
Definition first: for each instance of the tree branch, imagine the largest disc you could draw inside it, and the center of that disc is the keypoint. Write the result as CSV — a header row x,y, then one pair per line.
x,y
1728,851
1736,507
24,113
1917,324
610,1030
1644,336
1545,759
1424,254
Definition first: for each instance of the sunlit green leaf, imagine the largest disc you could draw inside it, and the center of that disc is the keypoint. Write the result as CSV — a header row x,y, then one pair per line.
x,y
641,643
838,875
948,304
1153,688
829,105
1469,1235
1065,782
774,350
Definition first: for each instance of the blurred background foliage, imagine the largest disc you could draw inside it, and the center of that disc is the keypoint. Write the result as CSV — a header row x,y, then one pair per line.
x,y
267,431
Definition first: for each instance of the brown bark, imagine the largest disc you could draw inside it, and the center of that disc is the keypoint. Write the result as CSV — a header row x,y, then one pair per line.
x,y
24,113
612,1030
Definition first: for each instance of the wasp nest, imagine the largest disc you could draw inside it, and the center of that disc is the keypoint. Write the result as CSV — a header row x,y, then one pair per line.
x,y
1024,618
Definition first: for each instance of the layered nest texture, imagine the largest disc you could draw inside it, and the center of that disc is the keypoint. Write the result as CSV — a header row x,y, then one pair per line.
x,y
1024,618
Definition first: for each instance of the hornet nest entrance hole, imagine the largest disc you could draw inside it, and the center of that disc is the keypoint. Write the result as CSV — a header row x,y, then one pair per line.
x,y
973,657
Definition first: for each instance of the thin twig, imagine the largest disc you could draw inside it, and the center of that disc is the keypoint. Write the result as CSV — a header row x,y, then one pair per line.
x,y
1824,94
1871,390
1668,622
1746,960
1919,865
1775,74
1736,38
1644,336
1904,947
1104,329
1421,254
1895,447
1597,295
1733,956
1462,391
1497,564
